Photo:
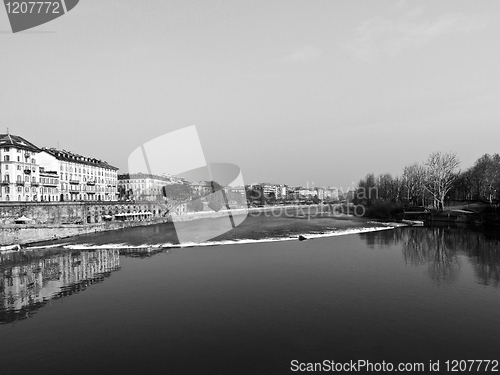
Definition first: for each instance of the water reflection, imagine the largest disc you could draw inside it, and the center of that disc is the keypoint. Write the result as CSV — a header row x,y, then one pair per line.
x,y
29,280
442,248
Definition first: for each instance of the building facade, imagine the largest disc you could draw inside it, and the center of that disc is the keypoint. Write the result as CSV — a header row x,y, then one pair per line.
x,y
81,178
143,186
32,174
19,171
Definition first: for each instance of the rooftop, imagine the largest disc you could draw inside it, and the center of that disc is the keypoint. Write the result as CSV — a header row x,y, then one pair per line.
x,y
76,158
140,175
10,140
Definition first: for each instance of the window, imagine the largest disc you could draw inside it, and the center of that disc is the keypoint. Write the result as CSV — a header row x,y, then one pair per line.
x,y
18,150
33,179
7,189
6,149
18,167
18,158
6,158
26,178
7,198
19,189
6,177
18,178
33,161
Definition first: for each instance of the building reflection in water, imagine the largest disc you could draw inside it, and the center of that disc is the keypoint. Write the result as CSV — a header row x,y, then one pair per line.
x,y
29,281
442,248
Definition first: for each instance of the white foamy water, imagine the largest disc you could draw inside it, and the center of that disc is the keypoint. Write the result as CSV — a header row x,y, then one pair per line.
x,y
168,245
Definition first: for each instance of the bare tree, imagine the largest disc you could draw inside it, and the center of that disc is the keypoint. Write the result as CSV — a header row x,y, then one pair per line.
x,y
413,181
441,173
492,178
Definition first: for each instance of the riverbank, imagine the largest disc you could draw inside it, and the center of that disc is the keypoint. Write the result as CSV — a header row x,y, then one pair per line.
x,y
24,234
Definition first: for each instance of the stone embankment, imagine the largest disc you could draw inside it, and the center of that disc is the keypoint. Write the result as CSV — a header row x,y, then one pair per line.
x,y
49,220
22,234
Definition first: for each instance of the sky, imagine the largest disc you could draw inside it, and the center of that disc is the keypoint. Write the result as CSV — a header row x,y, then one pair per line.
x,y
296,92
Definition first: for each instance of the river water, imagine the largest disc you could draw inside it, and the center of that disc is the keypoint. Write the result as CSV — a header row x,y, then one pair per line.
x,y
242,306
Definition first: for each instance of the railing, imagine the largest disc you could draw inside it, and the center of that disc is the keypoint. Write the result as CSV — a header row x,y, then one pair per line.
x,y
75,182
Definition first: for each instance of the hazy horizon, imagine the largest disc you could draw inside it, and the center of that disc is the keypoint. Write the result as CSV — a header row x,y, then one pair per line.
x,y
292,92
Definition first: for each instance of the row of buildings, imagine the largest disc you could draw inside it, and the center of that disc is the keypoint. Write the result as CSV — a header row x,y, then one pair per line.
x,y
286,192
29,173
37,174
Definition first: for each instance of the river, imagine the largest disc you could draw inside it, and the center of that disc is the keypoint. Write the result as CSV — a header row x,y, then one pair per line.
x,y
243,306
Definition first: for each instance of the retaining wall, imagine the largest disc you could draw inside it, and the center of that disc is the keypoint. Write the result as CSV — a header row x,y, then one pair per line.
x,y
28,233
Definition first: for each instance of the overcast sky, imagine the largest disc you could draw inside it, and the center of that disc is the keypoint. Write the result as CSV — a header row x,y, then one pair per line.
x,y
290,91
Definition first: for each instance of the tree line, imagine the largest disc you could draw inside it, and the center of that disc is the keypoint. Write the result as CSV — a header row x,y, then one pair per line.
x,y
433,182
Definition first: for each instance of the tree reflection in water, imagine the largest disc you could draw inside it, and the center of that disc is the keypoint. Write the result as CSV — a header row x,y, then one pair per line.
x,y
440,249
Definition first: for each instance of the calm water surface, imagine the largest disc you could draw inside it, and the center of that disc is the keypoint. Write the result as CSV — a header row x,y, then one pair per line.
x,y
408,294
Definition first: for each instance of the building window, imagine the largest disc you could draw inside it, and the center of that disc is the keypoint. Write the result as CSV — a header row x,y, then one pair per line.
x,y
18,178
33,161
18,158
6,158
6,177
18,167
7,198
7,189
